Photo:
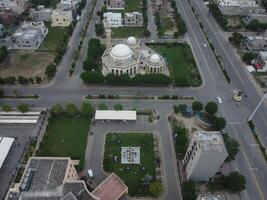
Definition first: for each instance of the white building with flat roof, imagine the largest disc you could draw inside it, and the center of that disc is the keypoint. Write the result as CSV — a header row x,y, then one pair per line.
x,y
61,18
204,156
123,115
41,14
5,145
237,7
112,20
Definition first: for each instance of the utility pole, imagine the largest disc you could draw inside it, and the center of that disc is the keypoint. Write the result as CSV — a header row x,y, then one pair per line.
x,y
257,107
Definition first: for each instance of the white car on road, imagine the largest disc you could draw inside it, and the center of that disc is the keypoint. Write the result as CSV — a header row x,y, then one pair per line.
x,y
90,173
219,100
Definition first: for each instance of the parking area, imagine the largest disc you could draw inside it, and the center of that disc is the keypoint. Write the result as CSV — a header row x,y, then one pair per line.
x,y
22,134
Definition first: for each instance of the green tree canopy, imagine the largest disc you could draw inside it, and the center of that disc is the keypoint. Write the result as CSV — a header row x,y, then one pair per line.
x,y
6,108
102,106
232,147
118,106
23,107
220,123
189,190
71,109
87,109
211,108
57,109
155,188
235,182
197,106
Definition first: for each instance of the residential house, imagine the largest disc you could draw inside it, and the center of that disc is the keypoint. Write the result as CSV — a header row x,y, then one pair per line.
x,y
205,155
29,35
237,7
133,19
115,4
255,43
62,18
41,14
113,20
260,63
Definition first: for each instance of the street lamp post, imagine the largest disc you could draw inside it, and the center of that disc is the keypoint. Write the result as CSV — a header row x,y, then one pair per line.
x,y
257,107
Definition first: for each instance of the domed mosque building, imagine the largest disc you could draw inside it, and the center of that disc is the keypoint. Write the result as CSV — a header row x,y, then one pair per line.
x,y
131,57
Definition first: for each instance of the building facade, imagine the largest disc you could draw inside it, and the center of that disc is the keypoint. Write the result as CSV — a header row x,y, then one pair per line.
x,y
115,4
41,14
204,156
61,18
130,57
133,19
29,35
237,7
255,43
112,20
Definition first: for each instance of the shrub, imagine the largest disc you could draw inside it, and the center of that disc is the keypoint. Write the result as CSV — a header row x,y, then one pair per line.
x,y
211,108
2,93
118,106
155,188
87,109
38,79
71,109
23,80
57,109
23,107
50,71
197,106
6,108
189,190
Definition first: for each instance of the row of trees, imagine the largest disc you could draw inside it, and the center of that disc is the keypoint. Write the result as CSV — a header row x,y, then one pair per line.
x,y
256,25
180,24
11,80
217,14
125,79
22,107
71,109
94,53
236,39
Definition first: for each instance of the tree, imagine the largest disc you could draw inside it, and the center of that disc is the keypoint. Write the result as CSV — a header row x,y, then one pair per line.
x,y
102,106
235,182
92,77
71,109
99,29
3,53
220,123
155,188
147,33
118,106
197,106
23,107
57,109
189,190
232,147
2,93
6,108
38,79
236,39
50,71
247,57
211,108
255,25
87,109
175,108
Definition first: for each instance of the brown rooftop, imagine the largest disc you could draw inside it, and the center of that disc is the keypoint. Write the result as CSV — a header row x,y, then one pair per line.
x,y
112,188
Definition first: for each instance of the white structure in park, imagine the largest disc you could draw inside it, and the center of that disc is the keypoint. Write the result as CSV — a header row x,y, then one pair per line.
x,y
122,115
130,155
131,57
5,145
204,156
238,7
112,20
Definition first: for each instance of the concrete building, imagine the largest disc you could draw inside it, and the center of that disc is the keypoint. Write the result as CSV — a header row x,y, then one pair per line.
x,y
204,156
160,5
55,178
260,63
29,35
61,18
133,19
259,14
41,14
255,43
112,20
2,31
5,146
115,4
237,7
130,57
69,4
17,6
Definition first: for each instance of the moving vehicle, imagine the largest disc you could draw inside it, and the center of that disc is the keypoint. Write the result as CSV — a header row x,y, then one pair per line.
x,y
90,173
219,100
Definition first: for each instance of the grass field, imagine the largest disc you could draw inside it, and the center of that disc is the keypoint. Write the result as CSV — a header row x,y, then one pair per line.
x,y
124,32
183,69
132,177
132,5
54,38
66,136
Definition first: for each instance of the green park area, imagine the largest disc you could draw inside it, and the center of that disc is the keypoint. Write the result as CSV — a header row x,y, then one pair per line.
x,y
66,136
182,66
54,38
132,5
135,176
124,32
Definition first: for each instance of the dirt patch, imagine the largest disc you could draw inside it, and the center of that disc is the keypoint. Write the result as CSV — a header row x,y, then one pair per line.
x,y
25,63
233,21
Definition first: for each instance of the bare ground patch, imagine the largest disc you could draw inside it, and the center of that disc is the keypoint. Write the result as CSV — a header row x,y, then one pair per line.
x,y
25,63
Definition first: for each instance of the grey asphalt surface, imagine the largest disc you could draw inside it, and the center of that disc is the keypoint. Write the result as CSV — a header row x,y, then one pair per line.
x,y
249,161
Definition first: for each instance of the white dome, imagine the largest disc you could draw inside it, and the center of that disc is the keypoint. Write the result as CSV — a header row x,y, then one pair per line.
x,y
121,52
131,40
154,58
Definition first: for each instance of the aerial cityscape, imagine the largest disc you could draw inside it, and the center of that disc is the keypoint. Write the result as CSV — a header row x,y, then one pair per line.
x,y
133,99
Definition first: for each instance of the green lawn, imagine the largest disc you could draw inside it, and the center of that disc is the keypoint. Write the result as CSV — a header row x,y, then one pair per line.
x,y
54,38
53,3
183,69
132,177
132,5
124,32
66,136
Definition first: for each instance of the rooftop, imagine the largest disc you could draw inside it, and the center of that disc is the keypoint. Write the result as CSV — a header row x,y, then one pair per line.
x,y
238,2
211,197
115,115
5,145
